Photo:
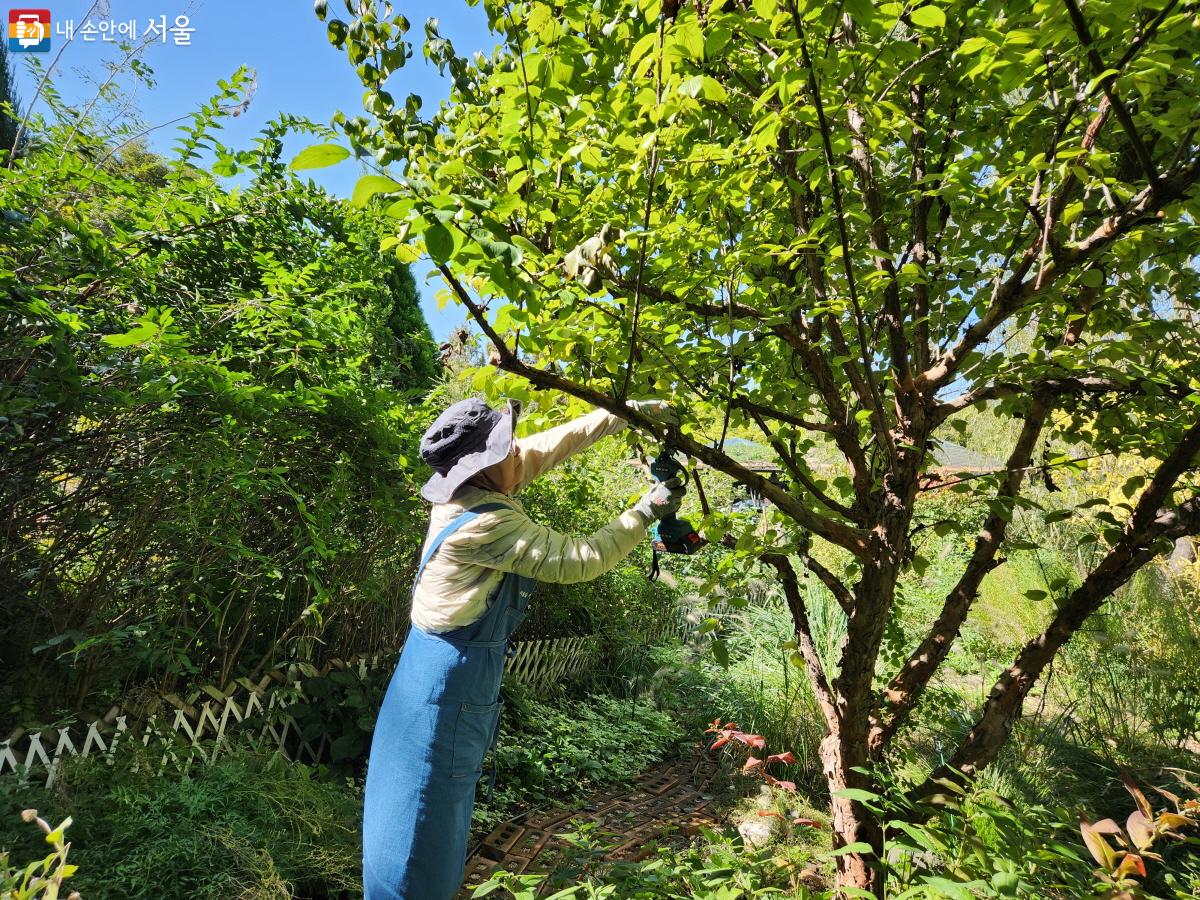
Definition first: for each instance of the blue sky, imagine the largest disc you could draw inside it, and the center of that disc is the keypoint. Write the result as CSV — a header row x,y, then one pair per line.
x,y
298,72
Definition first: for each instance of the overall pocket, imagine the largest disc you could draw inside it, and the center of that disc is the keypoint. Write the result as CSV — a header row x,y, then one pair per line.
x,y
473,733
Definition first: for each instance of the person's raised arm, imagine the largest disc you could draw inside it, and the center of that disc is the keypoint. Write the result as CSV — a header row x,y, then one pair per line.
x,y
508,540
543,451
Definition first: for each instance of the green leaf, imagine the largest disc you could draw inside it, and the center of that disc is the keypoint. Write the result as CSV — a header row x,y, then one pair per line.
x,y
138,335
439,242
1006,883
407,253
721,653
370,185
345,746
690,38
711,89
336,32
928,17
856,847
857,794
1132,486
971,46
953,889
318,157
860,11
525,245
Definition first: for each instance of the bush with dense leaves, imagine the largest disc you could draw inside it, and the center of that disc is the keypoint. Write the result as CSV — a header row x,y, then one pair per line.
x,y
209,405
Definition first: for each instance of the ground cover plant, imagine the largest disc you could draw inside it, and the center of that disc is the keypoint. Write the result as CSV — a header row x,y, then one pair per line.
x,y
829,222
255,825
249,826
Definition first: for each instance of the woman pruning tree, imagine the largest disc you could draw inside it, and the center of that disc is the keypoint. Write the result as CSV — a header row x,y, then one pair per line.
x,y
481,560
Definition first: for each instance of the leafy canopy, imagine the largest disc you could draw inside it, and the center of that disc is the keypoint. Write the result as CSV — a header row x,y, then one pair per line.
x,y
815,220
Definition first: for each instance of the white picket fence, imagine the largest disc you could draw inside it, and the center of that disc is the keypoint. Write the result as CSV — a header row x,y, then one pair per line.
x,y
182,730
198,727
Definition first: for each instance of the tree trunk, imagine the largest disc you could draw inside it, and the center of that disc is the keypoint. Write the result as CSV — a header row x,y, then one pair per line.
x,y
846,753
852,823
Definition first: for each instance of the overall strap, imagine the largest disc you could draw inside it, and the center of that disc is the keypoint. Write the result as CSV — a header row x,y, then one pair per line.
x,y
454,525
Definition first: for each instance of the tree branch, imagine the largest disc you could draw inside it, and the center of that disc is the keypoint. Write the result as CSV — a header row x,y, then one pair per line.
x,y
1147,524
841,593
869,392
846,432
842,535
801,476
909,683
770,412
709,310
1063,387
920,231
877,235
1108,83
804,638
1018,290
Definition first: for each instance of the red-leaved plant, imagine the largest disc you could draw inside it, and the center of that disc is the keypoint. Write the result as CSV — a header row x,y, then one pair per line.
x,y
1121,866
728,734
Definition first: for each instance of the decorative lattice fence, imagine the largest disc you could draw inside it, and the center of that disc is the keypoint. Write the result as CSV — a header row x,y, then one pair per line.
x,y
541,664
179,731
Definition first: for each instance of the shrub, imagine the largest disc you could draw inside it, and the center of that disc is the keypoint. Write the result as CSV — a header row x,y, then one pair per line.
x,y
207,411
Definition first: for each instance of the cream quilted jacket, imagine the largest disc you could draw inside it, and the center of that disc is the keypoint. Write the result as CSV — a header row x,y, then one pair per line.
x,y
455,586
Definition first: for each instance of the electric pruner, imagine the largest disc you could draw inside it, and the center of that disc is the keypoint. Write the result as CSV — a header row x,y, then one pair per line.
x,y
673,534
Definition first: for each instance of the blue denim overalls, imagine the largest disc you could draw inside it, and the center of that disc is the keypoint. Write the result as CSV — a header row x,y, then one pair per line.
x,y
440,715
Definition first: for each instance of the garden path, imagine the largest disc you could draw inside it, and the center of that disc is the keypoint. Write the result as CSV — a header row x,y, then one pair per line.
x,y
673,798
